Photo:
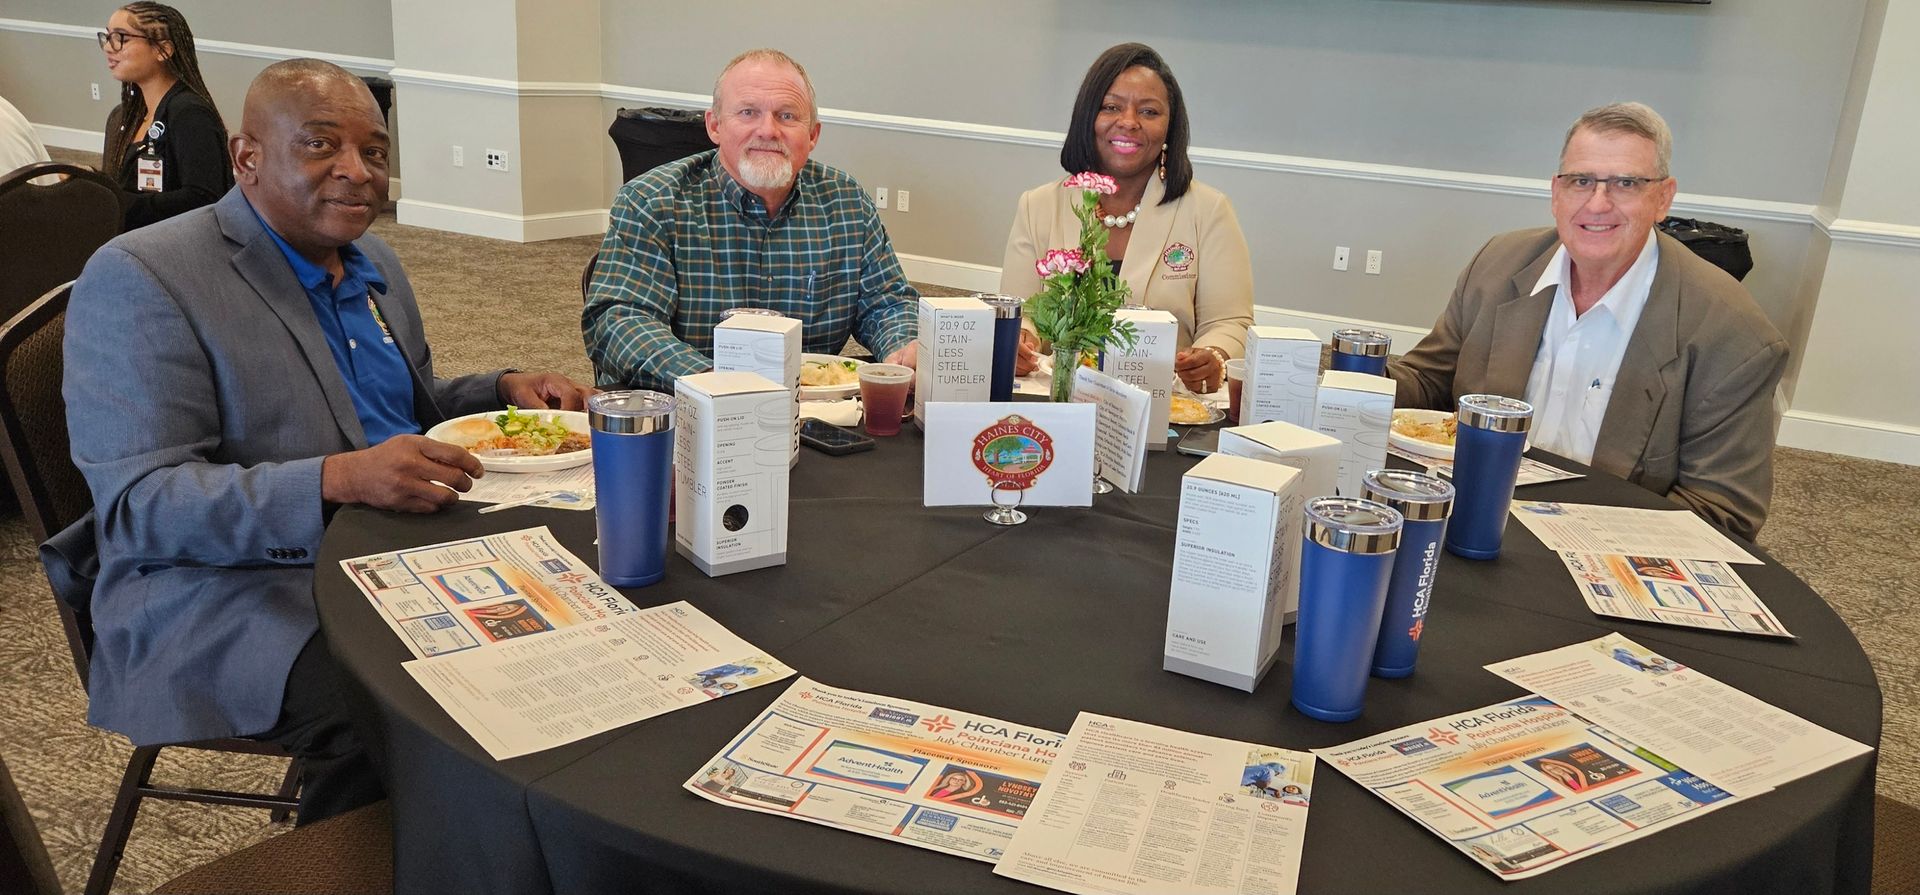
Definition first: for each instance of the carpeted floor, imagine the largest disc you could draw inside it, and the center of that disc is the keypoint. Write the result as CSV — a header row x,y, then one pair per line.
x,y
1836,521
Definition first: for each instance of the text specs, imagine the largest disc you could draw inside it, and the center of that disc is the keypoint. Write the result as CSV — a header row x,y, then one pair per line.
x,y
117,40
1624,185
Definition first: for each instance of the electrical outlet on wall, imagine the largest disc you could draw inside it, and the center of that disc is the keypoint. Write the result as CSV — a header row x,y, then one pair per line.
x,y
459,156
880,198
1373,261
901,196
96,92
497,159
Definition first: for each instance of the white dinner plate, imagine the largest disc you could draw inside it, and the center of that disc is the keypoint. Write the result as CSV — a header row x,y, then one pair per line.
x,y
1433,449
574,420
830,392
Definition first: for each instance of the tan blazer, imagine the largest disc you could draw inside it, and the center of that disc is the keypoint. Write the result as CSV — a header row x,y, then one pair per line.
x,y
1691,415
1188,257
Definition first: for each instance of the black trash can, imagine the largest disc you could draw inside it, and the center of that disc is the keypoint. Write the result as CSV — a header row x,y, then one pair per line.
x,y
651,137
382,90
1725,246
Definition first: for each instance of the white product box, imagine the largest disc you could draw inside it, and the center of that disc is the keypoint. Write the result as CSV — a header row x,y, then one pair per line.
x,y
956,353
769,346
1148,365
1356,408
1317,457
731,432
1283,372
1231,567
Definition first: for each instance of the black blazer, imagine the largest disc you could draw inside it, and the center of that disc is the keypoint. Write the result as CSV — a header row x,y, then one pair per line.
x,y
195,170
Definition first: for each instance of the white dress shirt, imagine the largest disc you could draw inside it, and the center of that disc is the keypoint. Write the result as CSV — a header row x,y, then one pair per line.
x,y
1579,355
19,145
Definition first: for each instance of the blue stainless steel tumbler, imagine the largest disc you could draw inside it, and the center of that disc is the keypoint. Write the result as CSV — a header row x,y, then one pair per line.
x,y
1490,437
1361,351
1006,342
1423,501
633,483
1344,568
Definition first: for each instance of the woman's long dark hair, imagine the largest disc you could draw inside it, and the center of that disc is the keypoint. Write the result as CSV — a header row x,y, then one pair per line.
x,y
1079,152
159,22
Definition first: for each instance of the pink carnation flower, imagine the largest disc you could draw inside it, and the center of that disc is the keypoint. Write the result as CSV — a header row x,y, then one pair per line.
x,y
1087,180
1059,261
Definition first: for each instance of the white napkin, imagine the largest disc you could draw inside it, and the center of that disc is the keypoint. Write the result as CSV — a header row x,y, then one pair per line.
x,y
840,413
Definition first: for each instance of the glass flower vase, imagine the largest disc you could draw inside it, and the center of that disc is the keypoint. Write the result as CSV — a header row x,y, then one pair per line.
x,y
1065,362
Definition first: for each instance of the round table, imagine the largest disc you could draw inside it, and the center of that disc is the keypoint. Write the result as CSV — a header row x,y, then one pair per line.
x,y
1034,624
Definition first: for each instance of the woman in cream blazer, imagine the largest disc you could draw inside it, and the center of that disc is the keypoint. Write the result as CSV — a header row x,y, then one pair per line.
x,y
1180,246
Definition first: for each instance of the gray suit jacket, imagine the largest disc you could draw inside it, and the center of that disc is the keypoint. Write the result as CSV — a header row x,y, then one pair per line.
x,y
1691,415
202,398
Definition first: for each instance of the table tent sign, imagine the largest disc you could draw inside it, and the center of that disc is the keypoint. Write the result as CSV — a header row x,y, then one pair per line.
x,y
1121,426
1009,454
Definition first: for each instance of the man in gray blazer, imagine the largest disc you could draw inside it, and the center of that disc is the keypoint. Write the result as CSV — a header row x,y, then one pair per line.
x,y
233,375
1638,357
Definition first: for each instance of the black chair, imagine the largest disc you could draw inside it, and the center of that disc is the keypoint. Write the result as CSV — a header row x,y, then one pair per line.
x,y
1896,846
53,495
24,867
350,854
48,232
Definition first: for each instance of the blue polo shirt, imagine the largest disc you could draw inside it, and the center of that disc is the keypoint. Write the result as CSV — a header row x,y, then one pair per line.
x,y
376,373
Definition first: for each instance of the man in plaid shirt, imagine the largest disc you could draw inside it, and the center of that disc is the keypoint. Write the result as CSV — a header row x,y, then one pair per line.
x,y
751,224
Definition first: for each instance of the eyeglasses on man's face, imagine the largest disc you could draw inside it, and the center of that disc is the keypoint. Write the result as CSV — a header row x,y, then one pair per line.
x,y
1624,186
115,41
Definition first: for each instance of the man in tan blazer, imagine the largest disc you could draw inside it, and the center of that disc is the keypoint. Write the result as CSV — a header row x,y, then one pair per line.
x,y
1640,358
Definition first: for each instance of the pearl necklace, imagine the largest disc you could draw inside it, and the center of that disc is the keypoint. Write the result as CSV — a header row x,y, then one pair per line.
x,y
1120,221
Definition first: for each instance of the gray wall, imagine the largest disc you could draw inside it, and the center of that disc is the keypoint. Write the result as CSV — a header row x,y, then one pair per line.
x,y
1472,85
352,27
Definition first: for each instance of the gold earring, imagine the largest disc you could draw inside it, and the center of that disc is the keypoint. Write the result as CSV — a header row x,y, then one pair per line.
x,y
1163,165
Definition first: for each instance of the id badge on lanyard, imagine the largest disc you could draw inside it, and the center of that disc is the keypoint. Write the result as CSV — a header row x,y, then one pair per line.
x,y
149,169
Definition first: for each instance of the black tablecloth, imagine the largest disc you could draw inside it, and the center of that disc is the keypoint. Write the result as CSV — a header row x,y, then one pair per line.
x,y
1034,624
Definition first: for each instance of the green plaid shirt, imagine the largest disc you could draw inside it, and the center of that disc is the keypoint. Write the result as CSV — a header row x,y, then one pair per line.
x,y
687,242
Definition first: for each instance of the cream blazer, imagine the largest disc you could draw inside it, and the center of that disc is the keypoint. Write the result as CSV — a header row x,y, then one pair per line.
x,y
1188,257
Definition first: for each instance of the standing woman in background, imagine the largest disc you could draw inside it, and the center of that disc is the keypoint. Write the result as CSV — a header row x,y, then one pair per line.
x,y
166,145
1176,241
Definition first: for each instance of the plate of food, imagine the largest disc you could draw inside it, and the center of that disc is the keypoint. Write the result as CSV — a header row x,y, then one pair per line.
x,y
1428,433
1187,410
516,440
827,377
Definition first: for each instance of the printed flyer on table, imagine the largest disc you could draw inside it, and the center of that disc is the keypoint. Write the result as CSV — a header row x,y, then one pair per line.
x,y
1135,809
455,596
1730,737
937,778
1527,786
527,695
1686,592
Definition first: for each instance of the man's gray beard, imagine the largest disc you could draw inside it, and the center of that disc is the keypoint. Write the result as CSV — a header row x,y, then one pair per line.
x,y
766,174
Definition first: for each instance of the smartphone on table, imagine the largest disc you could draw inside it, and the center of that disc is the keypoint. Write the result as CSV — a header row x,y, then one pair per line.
x,y
1199,441
828,438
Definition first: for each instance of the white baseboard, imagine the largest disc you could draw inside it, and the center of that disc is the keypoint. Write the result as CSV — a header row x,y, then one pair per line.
x,y
71,137
952,274
1323,325
500,225
985,278
1855,437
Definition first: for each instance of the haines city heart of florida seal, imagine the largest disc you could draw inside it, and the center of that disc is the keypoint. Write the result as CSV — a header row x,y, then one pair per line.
x,y
1012,452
